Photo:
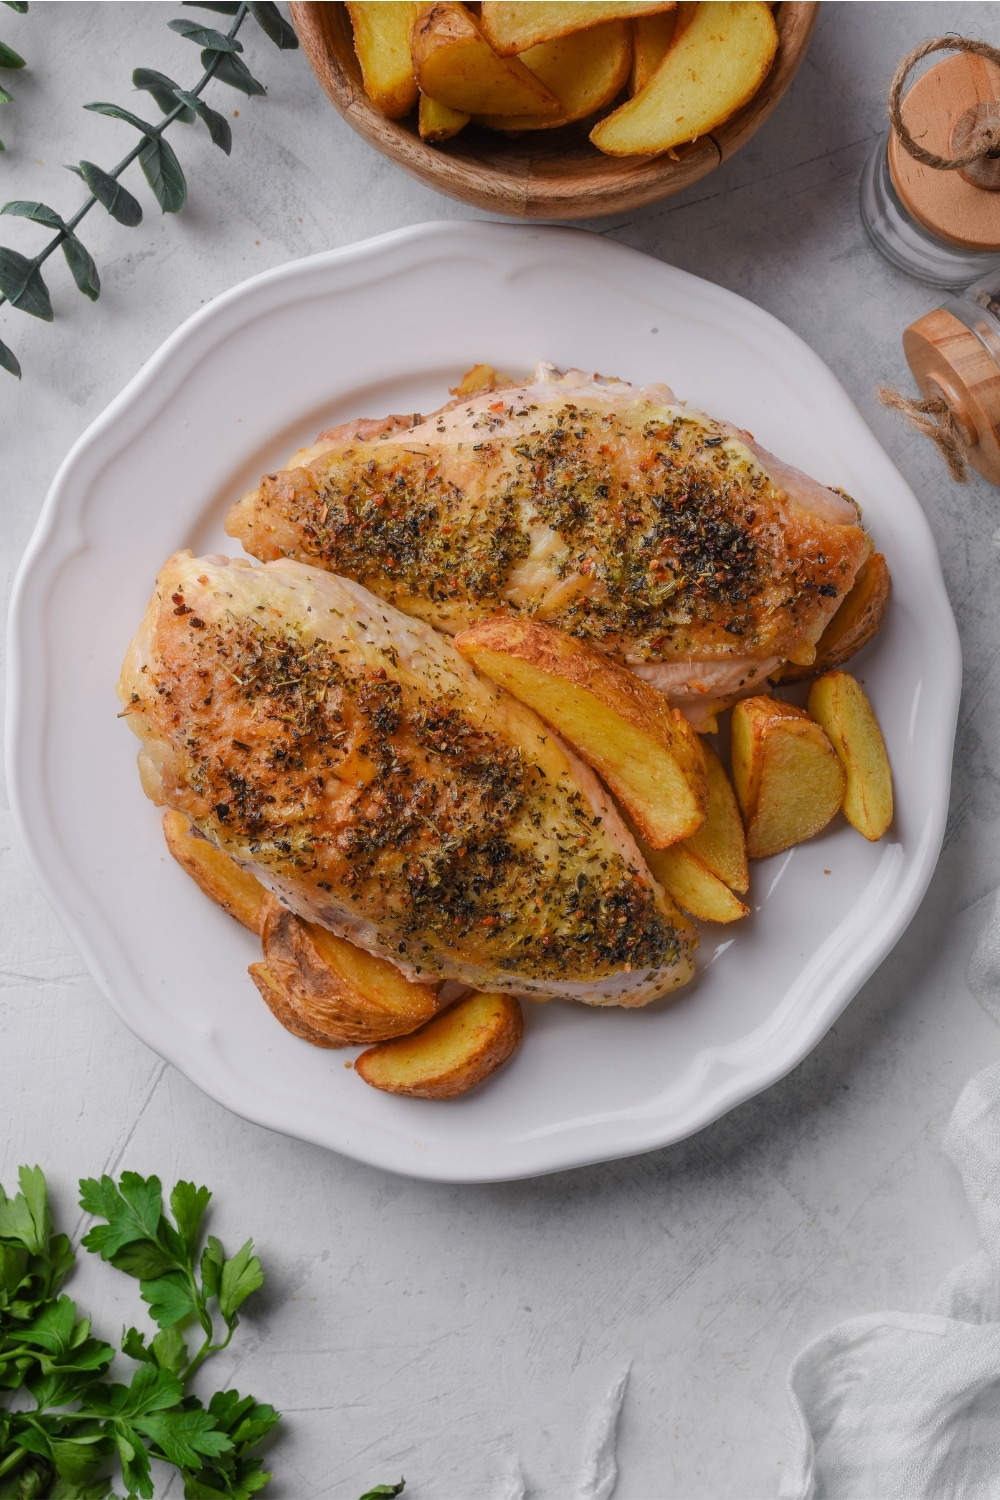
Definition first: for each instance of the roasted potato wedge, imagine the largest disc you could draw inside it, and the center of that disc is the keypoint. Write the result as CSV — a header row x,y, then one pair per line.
x,y
454,65
651,37
694,887
480,378
285,1008
220,877
332,989
512,26
717,64
788,778
838,702
382,41
585,71
450,1054
720,842
859,618
437,121
645,750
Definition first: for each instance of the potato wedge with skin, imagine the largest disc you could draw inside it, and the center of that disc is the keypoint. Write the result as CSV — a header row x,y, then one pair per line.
x,y
437,121
382,41
857,620
283,1006
645,750
694,887
219,876
585,71
512,26
839,702
334,989
720,842
651,39
788,778
449,1055
458,68
716,66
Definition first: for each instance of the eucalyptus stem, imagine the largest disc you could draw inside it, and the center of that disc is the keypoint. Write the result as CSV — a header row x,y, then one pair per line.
x,y
21,284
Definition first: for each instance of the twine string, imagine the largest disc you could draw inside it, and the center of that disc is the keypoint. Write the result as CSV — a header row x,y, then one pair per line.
x,y
985,138
936,420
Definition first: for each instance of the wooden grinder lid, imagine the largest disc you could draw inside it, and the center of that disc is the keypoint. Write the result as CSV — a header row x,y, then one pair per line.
x,y
951,365
937,113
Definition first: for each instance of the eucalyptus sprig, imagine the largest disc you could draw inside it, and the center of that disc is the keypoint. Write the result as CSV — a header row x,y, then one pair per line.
x,y
21,281
8,57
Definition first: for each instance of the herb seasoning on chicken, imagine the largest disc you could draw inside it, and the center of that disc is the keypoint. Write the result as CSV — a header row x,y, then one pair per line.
x,y
349,756
653,532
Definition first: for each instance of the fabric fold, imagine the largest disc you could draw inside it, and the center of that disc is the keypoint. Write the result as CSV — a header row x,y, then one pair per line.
x,y
906,1406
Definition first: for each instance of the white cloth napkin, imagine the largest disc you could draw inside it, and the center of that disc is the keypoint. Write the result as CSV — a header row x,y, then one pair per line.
x,y
900,1406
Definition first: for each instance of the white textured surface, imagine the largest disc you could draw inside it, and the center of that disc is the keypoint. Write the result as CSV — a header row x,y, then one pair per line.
x,y
902,1405
443,1331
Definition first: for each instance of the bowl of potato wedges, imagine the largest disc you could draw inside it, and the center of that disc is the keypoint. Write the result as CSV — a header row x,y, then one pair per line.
x,y
555,108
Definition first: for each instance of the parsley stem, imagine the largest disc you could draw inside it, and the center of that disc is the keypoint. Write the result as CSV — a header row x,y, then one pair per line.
x,y
17,1456
206,1349
153,133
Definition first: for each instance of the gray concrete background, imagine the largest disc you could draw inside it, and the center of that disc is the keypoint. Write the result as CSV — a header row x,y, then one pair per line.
x,y
437,1331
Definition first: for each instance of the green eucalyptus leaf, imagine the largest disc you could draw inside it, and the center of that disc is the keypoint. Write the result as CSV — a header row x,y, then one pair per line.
x,y
6,98
21,6
81,263
218,125
38,213
163,90
115,112
9,58
385,1491
164,175
232,70
21,283
205,36
110,194
273,24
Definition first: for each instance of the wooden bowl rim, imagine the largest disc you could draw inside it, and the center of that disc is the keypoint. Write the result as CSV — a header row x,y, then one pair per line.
x,y
508,177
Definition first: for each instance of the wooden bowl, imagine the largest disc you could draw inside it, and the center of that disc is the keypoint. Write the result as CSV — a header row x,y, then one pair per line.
x,y
545,174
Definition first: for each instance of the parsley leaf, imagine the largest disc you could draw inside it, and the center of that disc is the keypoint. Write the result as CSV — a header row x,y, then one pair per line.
x,y
73,1422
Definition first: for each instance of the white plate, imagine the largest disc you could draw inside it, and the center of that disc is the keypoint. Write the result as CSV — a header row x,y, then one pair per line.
x,y
387,326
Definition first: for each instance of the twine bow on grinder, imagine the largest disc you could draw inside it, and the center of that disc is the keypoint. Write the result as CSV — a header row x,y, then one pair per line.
x,y
954,352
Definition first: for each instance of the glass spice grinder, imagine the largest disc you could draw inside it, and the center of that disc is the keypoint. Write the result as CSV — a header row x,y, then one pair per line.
x,y
930,202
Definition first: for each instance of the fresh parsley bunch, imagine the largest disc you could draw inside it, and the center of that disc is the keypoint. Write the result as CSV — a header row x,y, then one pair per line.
x,y
69,1421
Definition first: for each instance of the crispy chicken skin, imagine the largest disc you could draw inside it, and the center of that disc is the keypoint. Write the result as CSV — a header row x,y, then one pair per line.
x,y
613,512
349,756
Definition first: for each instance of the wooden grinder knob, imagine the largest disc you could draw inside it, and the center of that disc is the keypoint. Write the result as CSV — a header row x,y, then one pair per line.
x,y
950,364
940,110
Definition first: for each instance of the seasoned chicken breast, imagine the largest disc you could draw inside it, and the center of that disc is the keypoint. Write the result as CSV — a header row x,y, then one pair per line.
x,y
655,533
349,756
